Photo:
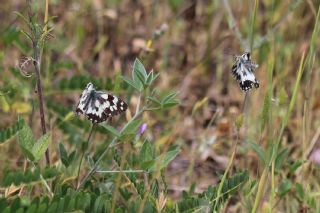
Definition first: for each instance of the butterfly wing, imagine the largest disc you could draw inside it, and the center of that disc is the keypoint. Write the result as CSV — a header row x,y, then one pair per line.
x,y
244,75
247,79
103,105
83,101
112,105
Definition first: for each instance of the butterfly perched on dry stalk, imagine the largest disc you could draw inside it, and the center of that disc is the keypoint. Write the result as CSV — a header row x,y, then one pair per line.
x,y
242,71
98,106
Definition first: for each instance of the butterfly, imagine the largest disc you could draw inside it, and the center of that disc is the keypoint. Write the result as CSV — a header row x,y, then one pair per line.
x,y
98,106
242,71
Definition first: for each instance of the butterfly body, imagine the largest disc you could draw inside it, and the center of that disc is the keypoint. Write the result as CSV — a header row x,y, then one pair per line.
x,y
98,106
242,71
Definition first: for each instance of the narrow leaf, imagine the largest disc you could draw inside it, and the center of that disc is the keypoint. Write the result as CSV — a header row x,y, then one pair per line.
x,y
163,160
132,83
111,130
26,141
258,150
131,127
11,131
41,146
63,155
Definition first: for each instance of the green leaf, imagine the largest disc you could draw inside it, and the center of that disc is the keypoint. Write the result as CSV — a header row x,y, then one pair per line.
x,y
111,130
132,83
11,131
260,152
23,18
131,127
206,201
169,97
154,100
98,205
139,72
117,81
164,159
295,166
170,104
63,155
26,141
265,111
280,158
146,152
27,153
239,121
150,78
7,179
284,187
169,100
41,146
72,156
299,191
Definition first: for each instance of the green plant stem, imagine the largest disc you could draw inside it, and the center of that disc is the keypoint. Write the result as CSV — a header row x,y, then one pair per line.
x,y
113,142
36,63
120,171
232,24
253,21
44,182
290,108
261,185
273,187
264,175
83,153
115,192
226,171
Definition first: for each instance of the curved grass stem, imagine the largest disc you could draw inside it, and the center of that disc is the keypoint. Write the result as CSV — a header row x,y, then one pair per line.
x,y
226,171
83,153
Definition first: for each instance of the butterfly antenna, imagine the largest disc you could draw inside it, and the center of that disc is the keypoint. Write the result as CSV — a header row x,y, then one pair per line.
x,y
232,54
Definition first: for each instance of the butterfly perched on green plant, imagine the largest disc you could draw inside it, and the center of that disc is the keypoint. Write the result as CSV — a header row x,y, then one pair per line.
x,y
98,106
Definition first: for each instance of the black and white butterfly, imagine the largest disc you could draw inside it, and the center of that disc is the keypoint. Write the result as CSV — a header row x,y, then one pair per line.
x,y
98,106
242,71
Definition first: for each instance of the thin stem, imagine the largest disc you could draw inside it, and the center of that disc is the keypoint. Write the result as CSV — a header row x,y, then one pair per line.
x,y
227,170
36,63
120,171
83,153
115,192
44,182
244,106
256,3
262,181
113,142
261,185
232,24
138,104
46,15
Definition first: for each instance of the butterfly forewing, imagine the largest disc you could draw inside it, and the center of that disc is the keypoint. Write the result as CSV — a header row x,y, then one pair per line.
x,y
83,100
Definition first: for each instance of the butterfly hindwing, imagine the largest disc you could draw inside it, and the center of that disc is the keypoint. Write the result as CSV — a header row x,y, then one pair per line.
x,y
112,104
